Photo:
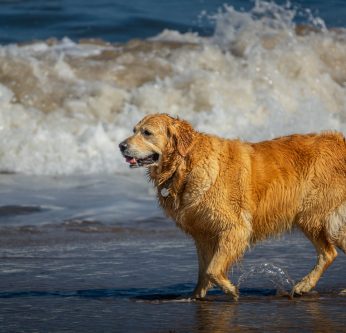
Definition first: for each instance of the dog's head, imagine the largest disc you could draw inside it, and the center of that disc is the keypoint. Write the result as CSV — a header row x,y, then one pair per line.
x,y
154,137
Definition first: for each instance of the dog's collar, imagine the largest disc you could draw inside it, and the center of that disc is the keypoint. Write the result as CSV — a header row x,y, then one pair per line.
x,y
164,191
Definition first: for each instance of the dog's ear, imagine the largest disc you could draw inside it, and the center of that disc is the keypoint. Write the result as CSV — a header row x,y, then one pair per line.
x,y
182,135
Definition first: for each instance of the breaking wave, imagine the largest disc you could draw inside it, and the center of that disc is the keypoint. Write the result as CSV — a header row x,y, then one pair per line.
x,y
65,106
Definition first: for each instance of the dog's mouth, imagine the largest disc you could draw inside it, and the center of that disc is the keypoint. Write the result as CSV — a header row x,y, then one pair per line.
x,y
139,162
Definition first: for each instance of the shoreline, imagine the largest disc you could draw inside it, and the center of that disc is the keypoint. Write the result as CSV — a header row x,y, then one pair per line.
x,y
83,267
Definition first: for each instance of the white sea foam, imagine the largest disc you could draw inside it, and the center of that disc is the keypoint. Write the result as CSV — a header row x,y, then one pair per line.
x,y
65,106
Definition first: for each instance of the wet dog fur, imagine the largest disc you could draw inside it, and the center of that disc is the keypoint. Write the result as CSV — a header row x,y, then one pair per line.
x,y
229,194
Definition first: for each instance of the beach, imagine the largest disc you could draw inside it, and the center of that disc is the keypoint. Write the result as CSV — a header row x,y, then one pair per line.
x,y
84,246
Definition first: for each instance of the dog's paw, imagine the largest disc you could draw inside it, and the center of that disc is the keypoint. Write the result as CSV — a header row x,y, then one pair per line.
x,y
196,297
304,286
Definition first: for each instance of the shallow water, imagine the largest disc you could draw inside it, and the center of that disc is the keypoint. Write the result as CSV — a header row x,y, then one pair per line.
x,y
87,254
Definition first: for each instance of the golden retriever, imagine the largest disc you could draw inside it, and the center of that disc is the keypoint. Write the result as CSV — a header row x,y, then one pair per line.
x,y
229,194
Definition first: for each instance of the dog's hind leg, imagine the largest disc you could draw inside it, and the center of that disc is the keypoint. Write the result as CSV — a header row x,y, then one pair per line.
x,y
326,253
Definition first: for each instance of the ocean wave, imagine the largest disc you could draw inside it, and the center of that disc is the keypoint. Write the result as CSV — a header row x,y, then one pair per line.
x,y
65,106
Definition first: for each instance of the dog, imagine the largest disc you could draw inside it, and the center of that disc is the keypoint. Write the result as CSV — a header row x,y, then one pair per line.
x,y
230,194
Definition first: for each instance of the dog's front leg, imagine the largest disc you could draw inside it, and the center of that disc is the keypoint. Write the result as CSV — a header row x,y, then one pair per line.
x,y
217,273
203,285
205,254
215,256
229,248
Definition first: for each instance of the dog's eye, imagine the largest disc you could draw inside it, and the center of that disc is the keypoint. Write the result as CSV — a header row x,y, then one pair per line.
x,y
147,133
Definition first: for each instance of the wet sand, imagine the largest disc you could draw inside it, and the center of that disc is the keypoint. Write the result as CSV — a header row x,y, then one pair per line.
x,y
95,254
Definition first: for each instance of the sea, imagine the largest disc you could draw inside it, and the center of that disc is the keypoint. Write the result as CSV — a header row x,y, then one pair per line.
x,y
84,246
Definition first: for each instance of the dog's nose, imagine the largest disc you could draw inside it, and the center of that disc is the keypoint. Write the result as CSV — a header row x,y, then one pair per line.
x,y
123,146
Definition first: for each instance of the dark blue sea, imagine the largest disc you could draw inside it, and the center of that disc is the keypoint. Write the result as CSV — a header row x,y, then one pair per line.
x,y
120,21
84,246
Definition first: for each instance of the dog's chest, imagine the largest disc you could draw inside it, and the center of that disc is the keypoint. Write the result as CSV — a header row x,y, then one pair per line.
x,y
191,214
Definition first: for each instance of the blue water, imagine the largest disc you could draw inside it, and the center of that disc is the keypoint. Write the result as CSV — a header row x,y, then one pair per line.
x,y
119,21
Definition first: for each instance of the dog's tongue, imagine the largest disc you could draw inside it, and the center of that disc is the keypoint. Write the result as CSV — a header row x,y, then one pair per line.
x,y
131,160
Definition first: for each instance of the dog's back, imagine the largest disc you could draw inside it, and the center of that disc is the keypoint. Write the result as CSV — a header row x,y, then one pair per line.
x,y
298,179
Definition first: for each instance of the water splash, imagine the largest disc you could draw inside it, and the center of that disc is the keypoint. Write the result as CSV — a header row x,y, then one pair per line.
x,y
268,272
